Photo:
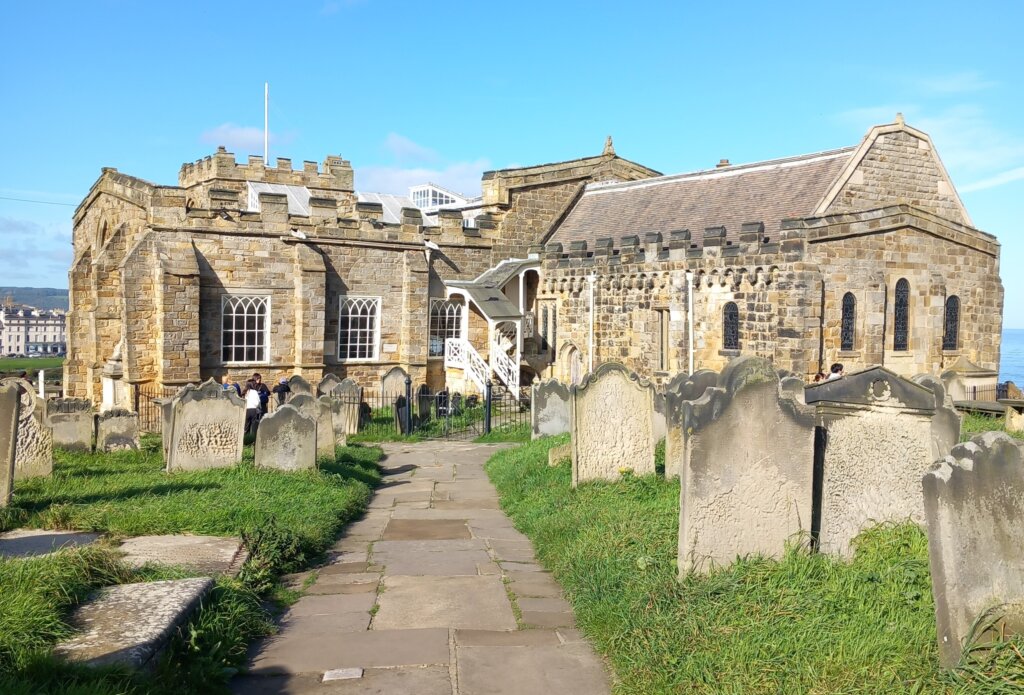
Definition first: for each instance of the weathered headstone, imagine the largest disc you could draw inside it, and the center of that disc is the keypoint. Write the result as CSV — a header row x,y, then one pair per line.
x,y
549,408
945,421
327,384
351,395
286,440
794,386
393,383
167,418
9,405
325,439
682,387
612,417
338,414
877,444
71,422
746,486
117,430
974,504
35,442
299,387
207,428
424,403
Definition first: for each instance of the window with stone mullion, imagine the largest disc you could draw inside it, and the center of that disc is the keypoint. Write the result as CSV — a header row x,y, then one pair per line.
x,y
358,322
445,322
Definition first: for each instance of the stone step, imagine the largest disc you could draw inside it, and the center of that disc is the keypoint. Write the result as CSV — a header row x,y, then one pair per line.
x,y
130,624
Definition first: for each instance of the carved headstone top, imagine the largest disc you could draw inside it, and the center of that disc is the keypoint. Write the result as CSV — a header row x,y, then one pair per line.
x,y
299,386
874,386
327,384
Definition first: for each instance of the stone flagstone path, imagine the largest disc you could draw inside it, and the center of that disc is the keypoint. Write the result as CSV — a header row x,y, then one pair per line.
x,y
416,598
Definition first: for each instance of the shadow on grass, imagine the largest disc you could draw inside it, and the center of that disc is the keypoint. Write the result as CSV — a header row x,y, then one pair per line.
x,y
150,491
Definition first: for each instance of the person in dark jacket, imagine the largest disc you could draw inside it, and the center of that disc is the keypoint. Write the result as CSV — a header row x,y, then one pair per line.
x,y
282,389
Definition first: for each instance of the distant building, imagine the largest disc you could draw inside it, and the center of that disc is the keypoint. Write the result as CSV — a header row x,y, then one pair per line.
x,y
28,331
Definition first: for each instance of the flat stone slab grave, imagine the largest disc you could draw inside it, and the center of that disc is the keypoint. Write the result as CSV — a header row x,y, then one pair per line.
x,y
417,598
206,554
30,542
130,624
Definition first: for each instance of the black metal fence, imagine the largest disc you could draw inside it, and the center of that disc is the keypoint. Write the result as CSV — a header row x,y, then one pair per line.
x,y
989,394
447,414
150,414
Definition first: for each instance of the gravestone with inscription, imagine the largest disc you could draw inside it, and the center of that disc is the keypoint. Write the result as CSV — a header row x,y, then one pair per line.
x,y
286,440
207,427
71,422
35,442
117,430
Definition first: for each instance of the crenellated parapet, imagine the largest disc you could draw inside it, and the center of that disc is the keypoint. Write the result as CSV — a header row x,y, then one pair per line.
x,y
334,174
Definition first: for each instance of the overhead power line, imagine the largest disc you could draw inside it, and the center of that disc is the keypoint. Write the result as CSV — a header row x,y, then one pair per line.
x,y
40,202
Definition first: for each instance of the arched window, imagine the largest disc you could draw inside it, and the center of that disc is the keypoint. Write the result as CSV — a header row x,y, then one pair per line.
x,y
849,319
358,328
245,328
951,336
731,327
901,320
445,322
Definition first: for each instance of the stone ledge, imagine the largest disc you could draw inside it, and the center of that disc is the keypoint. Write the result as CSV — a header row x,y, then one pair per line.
x,y
130,624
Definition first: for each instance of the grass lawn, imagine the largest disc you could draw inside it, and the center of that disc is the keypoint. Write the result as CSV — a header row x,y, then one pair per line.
x,y
805,624
286,519
29,364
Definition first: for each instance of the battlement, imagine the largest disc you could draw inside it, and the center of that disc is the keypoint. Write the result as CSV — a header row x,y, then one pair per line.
x,y
680,245
334,174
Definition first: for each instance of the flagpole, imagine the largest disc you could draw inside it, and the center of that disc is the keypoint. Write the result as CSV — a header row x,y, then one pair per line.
x,y
266,123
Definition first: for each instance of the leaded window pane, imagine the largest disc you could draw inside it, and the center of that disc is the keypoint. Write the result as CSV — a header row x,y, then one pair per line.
x,y
445,322
951,335
849,320
731,327
244,334
901,320
358,322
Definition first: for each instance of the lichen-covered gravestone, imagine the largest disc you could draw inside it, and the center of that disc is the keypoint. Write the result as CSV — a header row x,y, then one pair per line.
x,y
945,421
393,383
286,440
9,405
682,387
877,445
325,439
612,417
207,427
117,430
746,486
351,395
71,422
549,408
35,442
974,505
338,415
299,387
327,384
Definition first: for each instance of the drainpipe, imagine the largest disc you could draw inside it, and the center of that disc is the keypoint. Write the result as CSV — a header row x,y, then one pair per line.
x,y
689,316
591,279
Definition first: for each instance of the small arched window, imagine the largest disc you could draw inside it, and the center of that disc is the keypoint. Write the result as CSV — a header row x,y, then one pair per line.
x,y
849,320
901,319
731,326
951,335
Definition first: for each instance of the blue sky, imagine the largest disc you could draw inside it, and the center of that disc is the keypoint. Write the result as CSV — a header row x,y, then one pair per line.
x,y
410,91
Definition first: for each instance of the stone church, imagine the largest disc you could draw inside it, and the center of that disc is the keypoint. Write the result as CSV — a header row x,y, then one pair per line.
x,y
863,255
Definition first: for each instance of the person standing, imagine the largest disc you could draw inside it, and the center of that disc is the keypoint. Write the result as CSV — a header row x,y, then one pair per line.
x,y
256,394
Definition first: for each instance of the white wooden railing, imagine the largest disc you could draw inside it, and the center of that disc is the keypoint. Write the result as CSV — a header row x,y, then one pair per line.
x,y
506,368
459,354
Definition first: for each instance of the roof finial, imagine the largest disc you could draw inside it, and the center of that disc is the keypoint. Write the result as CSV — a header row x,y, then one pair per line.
x,y
899,119
609,148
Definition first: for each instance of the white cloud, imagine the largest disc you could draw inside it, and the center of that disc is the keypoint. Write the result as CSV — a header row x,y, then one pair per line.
x,y
956,83
993,181
241,139
35,255
461,177
404,149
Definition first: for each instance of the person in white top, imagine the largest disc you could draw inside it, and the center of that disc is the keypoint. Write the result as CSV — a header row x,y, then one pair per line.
x,y
253,393
836,372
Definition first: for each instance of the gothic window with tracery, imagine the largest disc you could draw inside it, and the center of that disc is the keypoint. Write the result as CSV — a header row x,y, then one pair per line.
x,y
245,328
731,326
901,319
951,335
849,319
445,322
358,328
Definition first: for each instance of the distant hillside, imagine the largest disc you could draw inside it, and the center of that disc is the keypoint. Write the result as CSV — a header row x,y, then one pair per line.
x,y
39,297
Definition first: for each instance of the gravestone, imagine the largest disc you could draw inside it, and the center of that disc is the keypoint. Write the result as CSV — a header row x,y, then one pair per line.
x,y
35,443
337,419
877,444
424,403
207,427
945,421
746,482
9,405
166,406
974,504
327,384
351,395
682,387
612,418
286,440
117,430
71,422
794,386
549,408
393,383
299,387
401,412
325,439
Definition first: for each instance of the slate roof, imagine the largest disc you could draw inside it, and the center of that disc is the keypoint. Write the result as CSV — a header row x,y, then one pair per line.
x,y
392,204
760,192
